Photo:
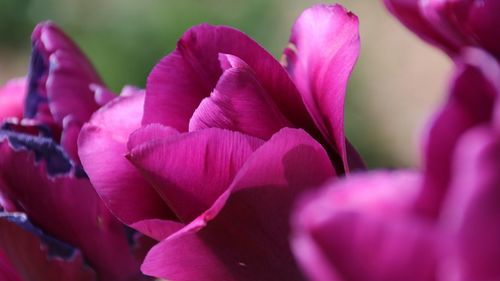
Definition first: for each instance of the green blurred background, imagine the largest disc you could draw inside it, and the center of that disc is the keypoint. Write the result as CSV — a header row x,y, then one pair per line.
x,y
397,83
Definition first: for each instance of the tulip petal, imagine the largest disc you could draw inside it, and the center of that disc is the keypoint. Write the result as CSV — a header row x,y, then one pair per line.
x,y
56,161
156,228
239,103
244,235
69,137
102,147
36,256
483,22
191,170
7,271
60,77
101,94
182,79
410,13
360,228
149,133
40,179
12,96
473,205
466,22
471,99
324,48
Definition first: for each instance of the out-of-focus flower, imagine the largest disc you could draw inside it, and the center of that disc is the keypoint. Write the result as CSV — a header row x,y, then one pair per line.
x,y
12,97
53,225
213,170
442,224
452,24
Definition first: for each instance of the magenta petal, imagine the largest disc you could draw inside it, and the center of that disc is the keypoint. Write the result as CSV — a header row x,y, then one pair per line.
x,y
473,207
191,170
60,77
35,256
156,228
180,81
472,96
101,94
360,228
483,21
12,96
41,182
410,14
102,147
239,103
150,133
7,270
324,49
244,235
69,137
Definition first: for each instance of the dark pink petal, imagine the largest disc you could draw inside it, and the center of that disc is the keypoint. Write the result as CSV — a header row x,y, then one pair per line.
x,y
482,24
445,22
410,13
69,137
157,229
102,95
239,103
324,48
6,203
41,180
12,96
190,171
473,207
102,148
244,235
467,22
149,133
7,271
361,229
60,78
473,91
181,80
35,256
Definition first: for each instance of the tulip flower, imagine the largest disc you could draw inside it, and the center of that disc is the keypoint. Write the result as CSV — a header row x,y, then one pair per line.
x,y
53,225
442,224
452,24
210,158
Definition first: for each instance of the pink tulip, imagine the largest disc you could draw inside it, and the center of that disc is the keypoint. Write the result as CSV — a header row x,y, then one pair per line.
x,y
210,158
53,225
442,224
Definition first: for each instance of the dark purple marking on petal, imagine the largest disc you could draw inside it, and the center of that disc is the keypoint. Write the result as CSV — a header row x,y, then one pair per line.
x,y
57,161
40,130
55,247
38,66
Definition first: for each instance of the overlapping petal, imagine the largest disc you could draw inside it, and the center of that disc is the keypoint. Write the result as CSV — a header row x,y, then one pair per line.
x,y
472,209
190,171
451,24
239,103
472,96
33,255
181,80
324,47
60,77
102,147
51,196
244,234
361,228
